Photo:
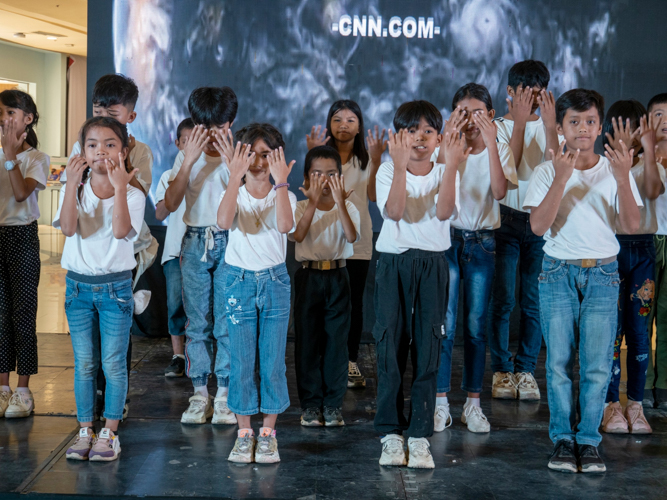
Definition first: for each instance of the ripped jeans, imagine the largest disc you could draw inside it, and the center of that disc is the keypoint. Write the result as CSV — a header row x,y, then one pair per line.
x,y
636,268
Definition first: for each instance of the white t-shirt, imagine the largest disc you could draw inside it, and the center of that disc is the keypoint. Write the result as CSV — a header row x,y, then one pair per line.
x,y
479,209
208,180
649,217
254,240
585,226
326,237
175,225
93,250
357,179
419,227
34,165
661,211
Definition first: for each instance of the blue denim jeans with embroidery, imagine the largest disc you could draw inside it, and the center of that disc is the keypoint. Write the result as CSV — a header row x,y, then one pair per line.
x,y
585,299
258,307
636,268
99,313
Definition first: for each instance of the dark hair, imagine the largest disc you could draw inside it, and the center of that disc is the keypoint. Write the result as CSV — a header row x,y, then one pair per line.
x,y
264,131
213,106
632,109
115,89
186,124
323,152
658,99
529,73
473,91
18,99
359,147
579,100
409,114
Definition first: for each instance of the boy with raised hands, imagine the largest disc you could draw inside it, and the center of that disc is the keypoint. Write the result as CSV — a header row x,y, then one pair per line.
x,y
576,201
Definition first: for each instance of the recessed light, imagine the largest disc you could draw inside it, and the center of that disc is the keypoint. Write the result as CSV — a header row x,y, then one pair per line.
x,y
52,38
19,35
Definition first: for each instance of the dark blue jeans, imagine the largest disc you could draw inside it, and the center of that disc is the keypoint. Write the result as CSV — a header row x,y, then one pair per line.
x,y
516,245
471,261
636,268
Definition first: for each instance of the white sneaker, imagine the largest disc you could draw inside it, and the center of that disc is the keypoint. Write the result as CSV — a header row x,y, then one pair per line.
x,y
199,410
504,386
266,450
354,376
443,418
244,447
475,419
4,401
393,451
419,450
527,386
20,405
221,413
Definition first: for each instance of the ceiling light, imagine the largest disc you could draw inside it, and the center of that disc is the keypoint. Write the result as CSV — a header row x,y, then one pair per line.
x,y
52,38
19,35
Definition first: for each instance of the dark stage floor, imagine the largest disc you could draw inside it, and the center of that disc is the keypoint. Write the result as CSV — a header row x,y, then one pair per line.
x,y
162,458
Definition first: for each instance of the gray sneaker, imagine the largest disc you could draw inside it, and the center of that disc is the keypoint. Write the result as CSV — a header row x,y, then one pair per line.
x,y
244,447
266,451
312,417
333,417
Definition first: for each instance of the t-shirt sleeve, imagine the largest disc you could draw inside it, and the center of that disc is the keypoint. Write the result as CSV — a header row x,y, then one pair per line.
x,y
136,204
143,162
298,213
36,168
507,163
504,134
383,181
162,186
355,217
293,203
539,185
76,150
56,220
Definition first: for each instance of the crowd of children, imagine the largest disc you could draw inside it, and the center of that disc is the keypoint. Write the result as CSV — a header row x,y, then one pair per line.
x,y
466,204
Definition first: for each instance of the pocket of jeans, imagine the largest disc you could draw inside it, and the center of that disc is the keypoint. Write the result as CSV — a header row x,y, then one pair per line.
x,y
284,279
231,280
123,294
71,290
439,334
552,270
607,275
488,244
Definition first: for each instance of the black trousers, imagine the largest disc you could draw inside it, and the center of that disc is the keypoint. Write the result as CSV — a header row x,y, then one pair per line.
x,y
358,272
410,307
20,266
321,323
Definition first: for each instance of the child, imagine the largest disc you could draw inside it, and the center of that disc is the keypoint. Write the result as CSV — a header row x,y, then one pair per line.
x,y
258,216
22,174
626,122
484,179
101,215
529,136
345,132
200,176
577,201
326,229
416,197
171,261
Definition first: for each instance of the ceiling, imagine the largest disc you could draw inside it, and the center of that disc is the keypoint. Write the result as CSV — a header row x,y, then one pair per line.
x,y
65,18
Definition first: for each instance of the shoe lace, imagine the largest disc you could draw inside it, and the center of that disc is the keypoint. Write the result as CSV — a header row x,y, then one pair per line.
x,y
244,444
353,370
332,411
564,449
197,405
310,413
616,413
264,444
635,412
5,396
17,399
419,447
393,446
525,380
476,410
221,406
588,451
442,411
507,379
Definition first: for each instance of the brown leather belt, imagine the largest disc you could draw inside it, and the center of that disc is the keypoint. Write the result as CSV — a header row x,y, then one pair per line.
x,y
591,262
323,265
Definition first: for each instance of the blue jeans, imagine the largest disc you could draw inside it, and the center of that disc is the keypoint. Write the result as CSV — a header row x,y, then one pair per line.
x,y
516,245
202,267
99,312
636,268
176,314
471,261
584,299
258,307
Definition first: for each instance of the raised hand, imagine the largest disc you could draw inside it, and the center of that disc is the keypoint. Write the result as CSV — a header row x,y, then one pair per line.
x,y
376,143
316,184
400,146
195,147
240,160
317,137
119,177
454,146
11,140
622,133
647,135
621,161
75,168
564,161
521,105
547,107
457,120
337,186
278,166
486,127
224,144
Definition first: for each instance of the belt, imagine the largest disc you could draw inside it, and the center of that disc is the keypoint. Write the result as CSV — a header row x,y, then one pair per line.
x,y
323,265
591,262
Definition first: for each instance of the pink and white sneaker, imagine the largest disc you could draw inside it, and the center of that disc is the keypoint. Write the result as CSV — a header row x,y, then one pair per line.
x,y
81,447
106,447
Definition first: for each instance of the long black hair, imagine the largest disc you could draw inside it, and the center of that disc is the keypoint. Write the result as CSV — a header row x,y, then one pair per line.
x,y
20,100
359,147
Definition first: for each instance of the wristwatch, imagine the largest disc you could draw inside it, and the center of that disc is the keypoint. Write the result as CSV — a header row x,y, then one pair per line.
x,y
11,164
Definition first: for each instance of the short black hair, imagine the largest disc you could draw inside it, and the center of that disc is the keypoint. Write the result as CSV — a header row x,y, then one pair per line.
x,y
115,89
658,99
529,73
409,114
265,131
629,109
213,106
324,152
579,100
473,91
186,124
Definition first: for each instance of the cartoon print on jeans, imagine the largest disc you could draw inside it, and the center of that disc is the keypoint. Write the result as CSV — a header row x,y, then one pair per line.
x,y
645,295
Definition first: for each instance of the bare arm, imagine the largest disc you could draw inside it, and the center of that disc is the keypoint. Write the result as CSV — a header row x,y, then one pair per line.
x,y
313,192
121,224
12,143
376,146
340,195
69,212
280,172
173,197
454,154
653,186
548,113
519,107
399,149
21,187
489,133
239,158
161,212
629,217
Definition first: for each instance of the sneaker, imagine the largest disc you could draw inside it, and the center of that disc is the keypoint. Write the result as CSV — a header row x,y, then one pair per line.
x,y
613,421
442,419
660,399
526,386
393,452
106,447
81,447
20,405
199,411
221,412
312,417
266,451
5,396
176,368
634,414
649,399
333,417
354,376
419,451
563,458
244,447
589,459
474,418
504,386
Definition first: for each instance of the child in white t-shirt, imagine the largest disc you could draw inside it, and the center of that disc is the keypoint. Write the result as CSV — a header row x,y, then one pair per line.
x,y
101,215
258,215
327,225
578,201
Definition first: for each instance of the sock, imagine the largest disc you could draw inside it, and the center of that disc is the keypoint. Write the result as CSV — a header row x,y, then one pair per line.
x,y
267,431
182,356
5,388
246,432
203,390
473,402
441,401
222,391
23,390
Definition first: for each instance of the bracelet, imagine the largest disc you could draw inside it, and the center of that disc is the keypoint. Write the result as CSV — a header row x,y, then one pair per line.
x,y
284,184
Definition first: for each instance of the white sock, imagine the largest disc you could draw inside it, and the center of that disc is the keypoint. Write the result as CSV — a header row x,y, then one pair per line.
x,y
473,402
182,356
203,390
222,391
441,401
5,388
23,390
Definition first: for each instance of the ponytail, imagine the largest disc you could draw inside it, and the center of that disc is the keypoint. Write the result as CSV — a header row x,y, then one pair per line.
x,y
20,100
